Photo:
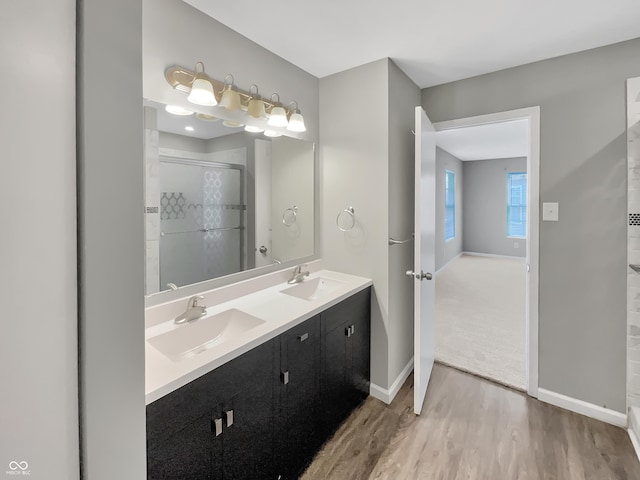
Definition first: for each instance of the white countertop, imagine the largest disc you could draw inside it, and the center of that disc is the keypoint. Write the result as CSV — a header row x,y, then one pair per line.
x,y
279,311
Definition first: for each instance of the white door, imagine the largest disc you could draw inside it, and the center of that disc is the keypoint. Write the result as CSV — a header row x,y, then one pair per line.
x,y
424,262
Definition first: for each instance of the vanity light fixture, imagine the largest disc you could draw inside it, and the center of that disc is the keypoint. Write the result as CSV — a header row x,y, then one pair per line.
x,y
230,97
201,89
278,116
296,121
247,103
255,107
176,110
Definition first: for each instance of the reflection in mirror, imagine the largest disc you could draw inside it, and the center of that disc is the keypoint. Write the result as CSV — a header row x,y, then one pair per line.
x,y
220,200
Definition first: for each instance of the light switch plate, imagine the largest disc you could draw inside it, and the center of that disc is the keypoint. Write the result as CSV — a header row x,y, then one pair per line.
x,y
550,212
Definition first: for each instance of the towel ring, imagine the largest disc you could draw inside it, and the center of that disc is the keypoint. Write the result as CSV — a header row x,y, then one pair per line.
x,y
350,222
289,216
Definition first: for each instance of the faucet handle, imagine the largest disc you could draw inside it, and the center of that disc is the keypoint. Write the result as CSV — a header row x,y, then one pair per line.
x,y
193,301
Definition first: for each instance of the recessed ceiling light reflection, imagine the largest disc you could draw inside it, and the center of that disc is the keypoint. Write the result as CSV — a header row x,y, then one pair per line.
x,y
188,128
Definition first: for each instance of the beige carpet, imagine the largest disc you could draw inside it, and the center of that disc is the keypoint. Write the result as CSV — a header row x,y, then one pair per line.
x,y
480,317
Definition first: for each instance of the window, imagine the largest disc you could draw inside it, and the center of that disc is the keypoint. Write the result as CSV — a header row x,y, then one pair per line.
x,y
517,204
449,205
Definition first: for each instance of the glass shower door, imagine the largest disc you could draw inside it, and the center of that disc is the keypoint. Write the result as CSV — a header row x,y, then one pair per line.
x,y
202,221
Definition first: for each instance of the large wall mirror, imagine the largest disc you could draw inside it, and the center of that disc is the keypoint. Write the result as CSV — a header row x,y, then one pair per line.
x,y
220,200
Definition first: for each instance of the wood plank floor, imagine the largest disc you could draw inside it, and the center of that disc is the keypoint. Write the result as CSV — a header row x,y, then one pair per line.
x,y
473,429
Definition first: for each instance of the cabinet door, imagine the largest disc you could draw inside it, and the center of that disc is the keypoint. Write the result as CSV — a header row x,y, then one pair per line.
x,y
186,455
360,340
345,357
247,442
247,410
299,397
335,372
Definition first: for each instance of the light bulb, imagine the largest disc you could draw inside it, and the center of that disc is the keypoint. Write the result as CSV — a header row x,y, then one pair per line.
x,y
296,123
230,99
272,133
202,93
278,117
252,129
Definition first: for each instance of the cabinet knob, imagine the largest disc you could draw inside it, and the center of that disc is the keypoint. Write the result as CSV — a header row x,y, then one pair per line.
x,y
216,426
285,377
229,414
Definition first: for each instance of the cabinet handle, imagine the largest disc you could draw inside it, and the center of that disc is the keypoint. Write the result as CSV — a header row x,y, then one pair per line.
x,y
285,377
229,414
347,331
303,337
216,426
353,329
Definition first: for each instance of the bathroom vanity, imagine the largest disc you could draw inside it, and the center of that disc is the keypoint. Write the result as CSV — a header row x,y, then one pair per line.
x,y
261,402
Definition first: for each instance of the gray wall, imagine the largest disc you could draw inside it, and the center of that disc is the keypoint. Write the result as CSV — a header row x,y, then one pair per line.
x,y
182,142
404,97
583,167
485,207
367,163
111,240
354,162
38,345
175,33
447,250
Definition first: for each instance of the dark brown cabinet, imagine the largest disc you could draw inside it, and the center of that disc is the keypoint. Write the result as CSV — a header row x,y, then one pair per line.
x,y
203,430
265,414
345,352
300,434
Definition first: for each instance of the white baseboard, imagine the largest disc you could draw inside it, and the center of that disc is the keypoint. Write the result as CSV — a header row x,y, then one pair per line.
x,y
583,408
449,262
477,254
387,396
635,441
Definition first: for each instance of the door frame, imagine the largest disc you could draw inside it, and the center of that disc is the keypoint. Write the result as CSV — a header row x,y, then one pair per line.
x,y
532,114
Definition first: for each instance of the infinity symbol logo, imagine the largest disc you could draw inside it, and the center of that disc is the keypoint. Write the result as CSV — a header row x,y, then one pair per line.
x,y
13,465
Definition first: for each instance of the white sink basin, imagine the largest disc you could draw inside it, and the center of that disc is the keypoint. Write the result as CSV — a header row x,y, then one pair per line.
x,y
190,339
314,289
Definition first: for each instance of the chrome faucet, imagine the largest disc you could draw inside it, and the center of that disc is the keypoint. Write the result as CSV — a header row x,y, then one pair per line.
x,y
193,311
298,275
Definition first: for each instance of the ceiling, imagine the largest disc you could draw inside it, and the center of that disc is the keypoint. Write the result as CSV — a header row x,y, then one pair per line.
x,y
482,142
433,42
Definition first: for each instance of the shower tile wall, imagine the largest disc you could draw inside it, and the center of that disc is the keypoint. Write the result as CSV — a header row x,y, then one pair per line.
x,y
633,253
152,201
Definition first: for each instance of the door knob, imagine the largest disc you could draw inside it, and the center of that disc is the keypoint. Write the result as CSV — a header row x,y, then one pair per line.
x,y
419,276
